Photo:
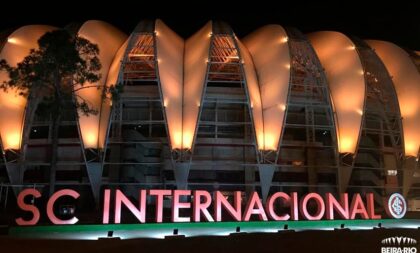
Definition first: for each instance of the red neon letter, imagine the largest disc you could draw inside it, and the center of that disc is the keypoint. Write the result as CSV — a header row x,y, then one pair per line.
x,y
176,205
270,206
294,206
234,211
254,206
357,207
30,208
50,206
159,202
371,207
341,207
139,213
320,206
107,199
200,206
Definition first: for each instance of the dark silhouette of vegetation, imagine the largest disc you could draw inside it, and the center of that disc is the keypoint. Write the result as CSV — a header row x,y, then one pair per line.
x,y
50,77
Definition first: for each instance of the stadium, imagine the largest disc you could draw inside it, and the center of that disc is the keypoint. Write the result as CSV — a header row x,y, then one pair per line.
x,y
277,110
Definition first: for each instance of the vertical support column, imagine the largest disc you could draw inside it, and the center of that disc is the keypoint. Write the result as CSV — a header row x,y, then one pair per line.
x,y
410,164
249,179
312,171
391,182
15,173
94,171
266,172
115,152
344,175
114,169
14,167
181,172
345,170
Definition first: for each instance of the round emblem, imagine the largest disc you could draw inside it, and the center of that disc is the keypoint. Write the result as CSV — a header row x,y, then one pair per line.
x,y
397,207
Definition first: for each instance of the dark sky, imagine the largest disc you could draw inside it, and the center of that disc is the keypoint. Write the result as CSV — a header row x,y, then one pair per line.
x,y
391,20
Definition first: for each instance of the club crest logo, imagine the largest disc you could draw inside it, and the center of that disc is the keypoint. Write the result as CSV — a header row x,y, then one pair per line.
x,y
397,207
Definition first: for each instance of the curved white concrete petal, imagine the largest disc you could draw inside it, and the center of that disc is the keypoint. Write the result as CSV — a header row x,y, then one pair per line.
x,y
346,81
254,94
170,55
270,53
195,67
406,81
109,40
12,105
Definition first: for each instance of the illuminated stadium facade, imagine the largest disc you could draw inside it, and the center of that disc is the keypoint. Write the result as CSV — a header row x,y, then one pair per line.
x,y
274,111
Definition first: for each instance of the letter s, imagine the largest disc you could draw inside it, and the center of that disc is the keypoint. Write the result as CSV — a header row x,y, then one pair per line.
x,y
28,207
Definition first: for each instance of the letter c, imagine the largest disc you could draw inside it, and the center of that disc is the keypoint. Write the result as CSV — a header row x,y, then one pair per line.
x,y
50,206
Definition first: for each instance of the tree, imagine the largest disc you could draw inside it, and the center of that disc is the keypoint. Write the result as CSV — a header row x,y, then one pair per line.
x,y
51,75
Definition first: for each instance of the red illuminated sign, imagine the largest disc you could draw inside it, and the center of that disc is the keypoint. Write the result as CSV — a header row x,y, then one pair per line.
x,y
209,207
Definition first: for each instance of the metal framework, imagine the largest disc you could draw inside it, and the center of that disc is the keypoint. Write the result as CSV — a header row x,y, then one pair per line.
x,y
308,148
138,136
380,152
225,136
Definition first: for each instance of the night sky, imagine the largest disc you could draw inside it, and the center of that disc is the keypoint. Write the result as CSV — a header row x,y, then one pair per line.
x,y
394,21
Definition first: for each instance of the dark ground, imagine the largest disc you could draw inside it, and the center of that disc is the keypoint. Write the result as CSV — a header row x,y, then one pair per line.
x,y
307,241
